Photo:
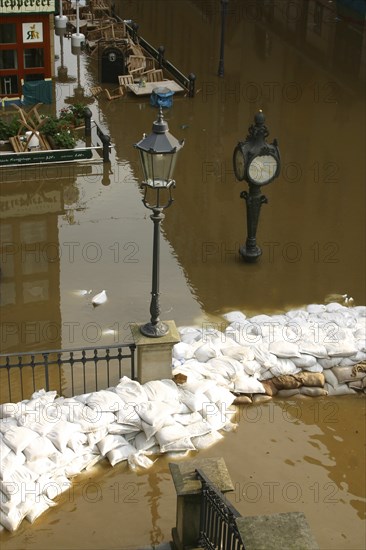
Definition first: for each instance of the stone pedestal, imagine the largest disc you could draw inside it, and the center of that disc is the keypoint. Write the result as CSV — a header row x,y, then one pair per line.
x,y
188,488
154,355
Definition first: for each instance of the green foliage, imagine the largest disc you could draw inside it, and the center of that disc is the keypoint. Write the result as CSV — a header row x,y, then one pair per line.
x,y
64,139
9,128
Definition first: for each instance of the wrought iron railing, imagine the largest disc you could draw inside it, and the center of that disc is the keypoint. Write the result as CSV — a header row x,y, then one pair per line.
x,y
218,529
69,372
188,82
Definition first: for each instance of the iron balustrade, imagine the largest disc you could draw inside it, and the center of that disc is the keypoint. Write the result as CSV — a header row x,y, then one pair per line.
x,y
218,529
69,372
188,82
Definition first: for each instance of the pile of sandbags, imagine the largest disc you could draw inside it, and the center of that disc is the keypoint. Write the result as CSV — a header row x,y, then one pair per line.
x,y
47,440
319,350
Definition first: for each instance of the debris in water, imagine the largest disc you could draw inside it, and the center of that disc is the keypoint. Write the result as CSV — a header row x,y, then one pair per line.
x,y
100,298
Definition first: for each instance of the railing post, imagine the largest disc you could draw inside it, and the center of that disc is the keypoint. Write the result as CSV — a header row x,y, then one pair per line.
x,y
186,533
161,51
87,120
106,141
192,84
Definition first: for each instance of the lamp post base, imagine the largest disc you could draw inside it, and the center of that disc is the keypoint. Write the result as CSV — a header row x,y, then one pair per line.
x,y
154,331
250,254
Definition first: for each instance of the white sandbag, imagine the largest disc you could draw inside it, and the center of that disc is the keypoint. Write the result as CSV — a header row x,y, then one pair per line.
x,y
263,356
238,352
77,441
110,442
205,441
284,349
341,348
284,366
235,317
247,384
61,459
329,362
183,351
4,449
41,466
19,437
297,313
129,416
41,423
10,462
220,396
184,444
201,427
8,410
188,418
359,357
40,447
361,344
226,365
12,519
155,413
104,400
7,423
341,389
170,433
312,348
189,335
80,463
143,444
89,420
139,460
57,485
304,361
194,401
313,392
315,308
96,436
119,454
251,367
330,378
161,390
19,479
206,352
37,508
130,391
214,416
61,433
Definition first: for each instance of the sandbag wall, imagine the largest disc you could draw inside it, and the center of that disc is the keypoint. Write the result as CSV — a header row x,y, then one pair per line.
x,y
318,350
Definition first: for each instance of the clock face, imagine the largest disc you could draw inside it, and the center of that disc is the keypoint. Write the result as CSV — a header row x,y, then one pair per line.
x,y
239,163
262,169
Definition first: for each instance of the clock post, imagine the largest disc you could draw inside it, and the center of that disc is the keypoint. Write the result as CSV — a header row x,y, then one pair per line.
x,y
258,163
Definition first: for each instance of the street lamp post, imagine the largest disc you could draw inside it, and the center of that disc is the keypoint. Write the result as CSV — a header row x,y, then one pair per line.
x,y
158,153
258,163
224,4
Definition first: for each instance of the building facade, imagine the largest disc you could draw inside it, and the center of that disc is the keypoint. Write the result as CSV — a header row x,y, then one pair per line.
x,y
26,45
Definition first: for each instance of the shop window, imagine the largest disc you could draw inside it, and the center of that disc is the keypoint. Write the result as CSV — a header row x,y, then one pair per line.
x,y
33,57
8,85
31,77
8,33
8,59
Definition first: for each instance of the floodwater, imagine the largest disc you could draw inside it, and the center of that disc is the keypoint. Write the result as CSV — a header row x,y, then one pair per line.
x,y
71,228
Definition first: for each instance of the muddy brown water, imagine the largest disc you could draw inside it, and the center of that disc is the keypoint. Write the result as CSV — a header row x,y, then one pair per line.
x,y
71,228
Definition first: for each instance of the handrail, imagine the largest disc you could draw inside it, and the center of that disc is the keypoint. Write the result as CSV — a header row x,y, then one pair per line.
x,y
218,528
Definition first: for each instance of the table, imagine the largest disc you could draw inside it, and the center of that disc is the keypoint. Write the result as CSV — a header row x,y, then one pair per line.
x,y
150,86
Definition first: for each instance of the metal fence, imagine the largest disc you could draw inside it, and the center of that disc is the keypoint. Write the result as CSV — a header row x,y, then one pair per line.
x,y
69,372
188,82
218,529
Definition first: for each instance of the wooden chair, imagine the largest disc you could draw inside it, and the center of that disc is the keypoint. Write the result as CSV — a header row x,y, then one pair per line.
x,y
124,80
155,75
96,90
113,95
136,65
